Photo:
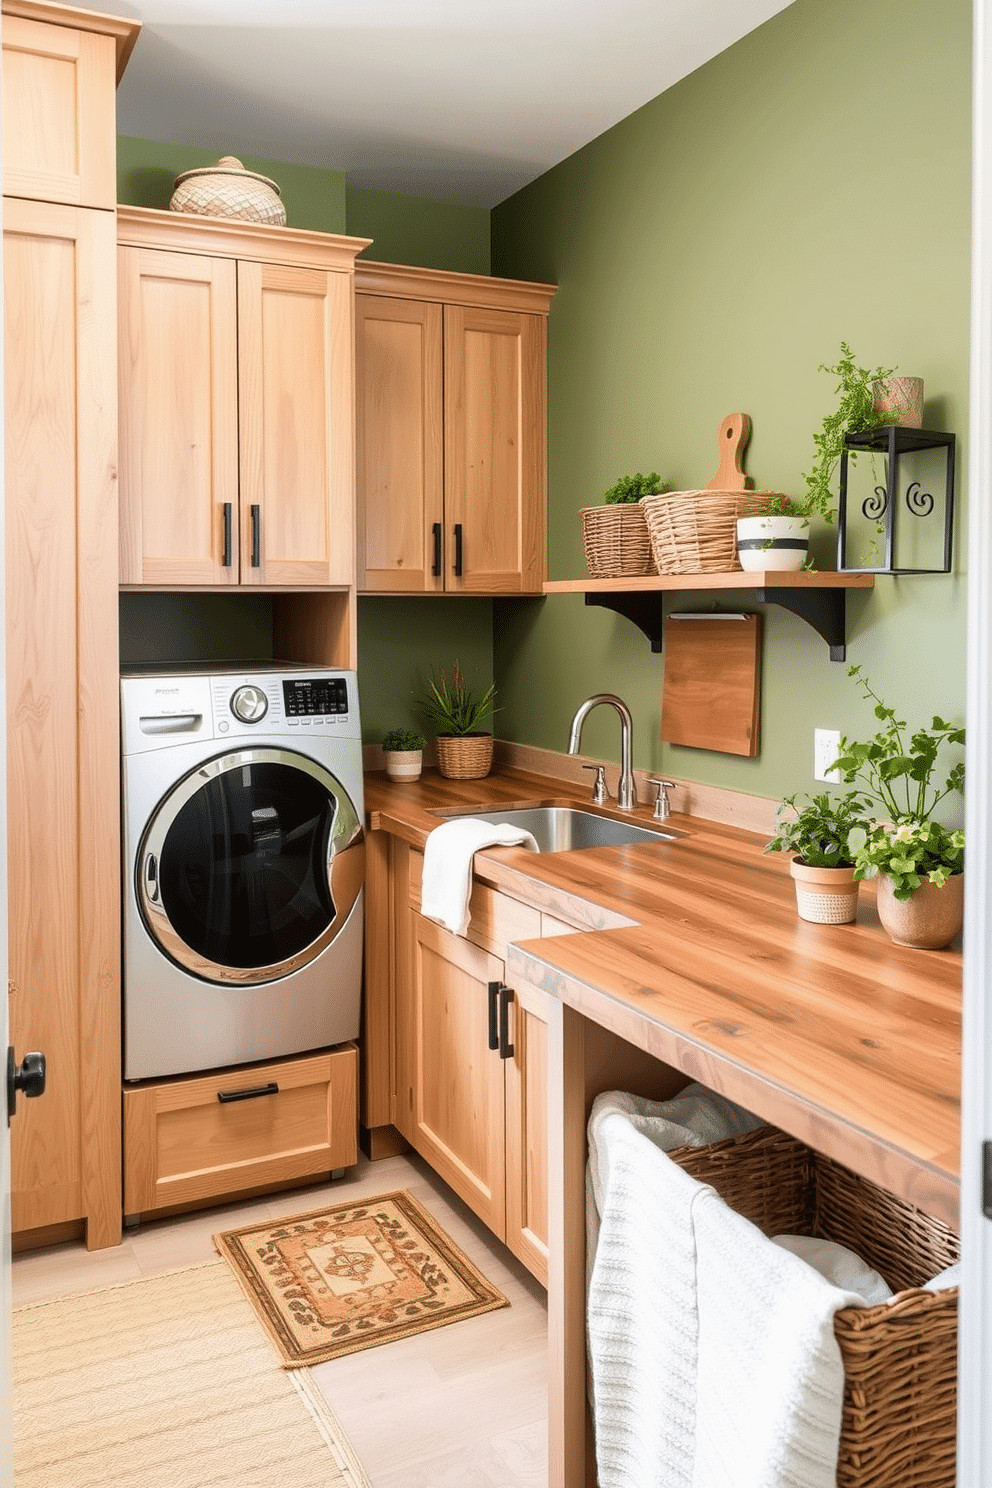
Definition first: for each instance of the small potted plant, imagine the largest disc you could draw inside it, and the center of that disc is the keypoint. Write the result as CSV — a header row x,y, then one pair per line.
x,y
818,832
404,752
615,535
776,539
459,713
919,862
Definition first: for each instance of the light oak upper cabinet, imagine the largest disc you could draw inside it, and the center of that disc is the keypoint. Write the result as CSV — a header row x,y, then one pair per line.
x,y
60,70
452,432
236,404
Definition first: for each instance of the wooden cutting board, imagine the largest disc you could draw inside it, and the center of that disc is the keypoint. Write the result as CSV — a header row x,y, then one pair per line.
x,y
712,695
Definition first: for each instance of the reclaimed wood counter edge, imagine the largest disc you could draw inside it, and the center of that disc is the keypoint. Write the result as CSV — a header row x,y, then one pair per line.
x,y
694,952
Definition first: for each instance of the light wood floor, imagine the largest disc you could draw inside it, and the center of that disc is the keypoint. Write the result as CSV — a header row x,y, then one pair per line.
x,y
460,1407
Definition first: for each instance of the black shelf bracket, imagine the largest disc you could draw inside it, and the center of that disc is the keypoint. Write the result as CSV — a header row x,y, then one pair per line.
x,y
824,609
644,610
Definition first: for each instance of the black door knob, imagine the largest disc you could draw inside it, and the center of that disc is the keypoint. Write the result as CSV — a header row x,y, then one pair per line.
x,y
28,1076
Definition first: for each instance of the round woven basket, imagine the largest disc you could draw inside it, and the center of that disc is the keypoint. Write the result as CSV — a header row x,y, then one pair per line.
x,y
228,190
617,541
464,756
696,531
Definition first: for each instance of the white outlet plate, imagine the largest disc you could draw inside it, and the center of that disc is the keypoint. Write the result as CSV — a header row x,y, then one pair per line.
x,y
826,748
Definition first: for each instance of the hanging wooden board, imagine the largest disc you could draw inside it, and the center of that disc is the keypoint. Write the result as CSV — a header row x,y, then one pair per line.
x,y
712,695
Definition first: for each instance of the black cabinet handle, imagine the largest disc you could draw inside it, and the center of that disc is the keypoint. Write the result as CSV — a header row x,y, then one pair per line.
x,y
493,1015
28,1077
256,535
458,550
505,998
224,1096
228,533
436,567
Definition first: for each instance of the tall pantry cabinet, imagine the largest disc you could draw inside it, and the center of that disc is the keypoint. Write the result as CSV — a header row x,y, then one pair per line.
x,y
60,69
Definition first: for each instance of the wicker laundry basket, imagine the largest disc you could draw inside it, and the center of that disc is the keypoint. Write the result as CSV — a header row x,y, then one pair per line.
x,y
617,541
900,1357
696,531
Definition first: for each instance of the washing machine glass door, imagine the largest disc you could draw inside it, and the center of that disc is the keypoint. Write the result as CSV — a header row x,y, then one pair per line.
x,y
250,865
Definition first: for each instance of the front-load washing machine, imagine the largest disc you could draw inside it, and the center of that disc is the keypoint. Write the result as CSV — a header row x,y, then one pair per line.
x,y
244,864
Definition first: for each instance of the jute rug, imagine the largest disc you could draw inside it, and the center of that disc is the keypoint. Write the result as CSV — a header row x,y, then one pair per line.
x,y
167,1382
338,1280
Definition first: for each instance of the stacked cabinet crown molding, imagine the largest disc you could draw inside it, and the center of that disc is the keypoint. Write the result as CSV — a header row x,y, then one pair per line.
x,y
236,385
60,68
452,432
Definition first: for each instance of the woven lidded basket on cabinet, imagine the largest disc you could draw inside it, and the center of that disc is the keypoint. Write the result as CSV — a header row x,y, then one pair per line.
x,y
900,1357
228,190
464,756
617,541
696,531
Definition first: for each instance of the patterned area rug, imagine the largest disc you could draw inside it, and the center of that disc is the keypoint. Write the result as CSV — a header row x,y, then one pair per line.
x,y
338,1280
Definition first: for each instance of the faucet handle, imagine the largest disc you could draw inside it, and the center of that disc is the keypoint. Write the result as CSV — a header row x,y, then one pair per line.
x,y
599,794
662,809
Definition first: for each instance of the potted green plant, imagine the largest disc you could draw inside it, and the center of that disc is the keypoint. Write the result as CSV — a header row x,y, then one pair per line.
x,y
919,862
776,539
817,833
458,713
615,535
404,752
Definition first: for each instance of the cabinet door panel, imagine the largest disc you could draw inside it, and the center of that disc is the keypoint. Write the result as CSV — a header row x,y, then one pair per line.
x,y
296,415
495,437
178,417
400,477
527,1133
61,679
458,1087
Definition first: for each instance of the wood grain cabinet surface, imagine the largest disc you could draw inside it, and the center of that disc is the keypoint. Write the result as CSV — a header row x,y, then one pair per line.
x,y
236,376
451,376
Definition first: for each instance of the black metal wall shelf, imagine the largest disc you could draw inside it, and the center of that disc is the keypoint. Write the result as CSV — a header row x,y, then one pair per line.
x,y
818,598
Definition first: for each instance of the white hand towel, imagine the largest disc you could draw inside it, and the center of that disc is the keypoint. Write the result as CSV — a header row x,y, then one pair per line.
x,y
837,1264
448,852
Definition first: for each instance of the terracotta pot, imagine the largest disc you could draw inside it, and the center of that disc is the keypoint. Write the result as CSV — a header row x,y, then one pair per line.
x,y
930,920
464,756
404,764
825,896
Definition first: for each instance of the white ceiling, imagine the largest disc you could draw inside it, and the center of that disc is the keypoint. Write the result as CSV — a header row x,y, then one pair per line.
x,y
464,100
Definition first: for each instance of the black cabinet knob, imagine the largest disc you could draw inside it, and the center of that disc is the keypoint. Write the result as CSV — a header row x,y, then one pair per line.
x,y
28,1077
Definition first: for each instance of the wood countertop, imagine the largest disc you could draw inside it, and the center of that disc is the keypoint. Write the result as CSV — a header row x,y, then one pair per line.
x,y
694,952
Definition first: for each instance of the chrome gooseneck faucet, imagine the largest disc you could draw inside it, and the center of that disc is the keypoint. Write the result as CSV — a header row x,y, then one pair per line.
x,y
626,793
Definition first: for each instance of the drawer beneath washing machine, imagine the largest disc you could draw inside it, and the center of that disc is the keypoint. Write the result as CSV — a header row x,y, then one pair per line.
x,y
189,1141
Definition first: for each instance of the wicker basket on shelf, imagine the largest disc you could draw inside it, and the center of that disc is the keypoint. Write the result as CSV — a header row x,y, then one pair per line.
x,y
900,1357
696,531
617,541
464,756
227,189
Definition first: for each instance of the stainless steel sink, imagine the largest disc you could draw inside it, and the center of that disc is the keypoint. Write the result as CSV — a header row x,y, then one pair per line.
x,y
570,828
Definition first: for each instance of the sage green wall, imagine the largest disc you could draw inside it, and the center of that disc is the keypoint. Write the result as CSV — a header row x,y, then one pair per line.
x,y
810,184
399,640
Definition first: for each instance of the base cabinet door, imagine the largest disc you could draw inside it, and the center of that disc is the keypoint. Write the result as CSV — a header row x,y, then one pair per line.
x,y
458,1087
527,1132
189,1141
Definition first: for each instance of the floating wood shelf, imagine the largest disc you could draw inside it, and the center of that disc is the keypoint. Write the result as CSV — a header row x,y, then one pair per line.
x,y
817,598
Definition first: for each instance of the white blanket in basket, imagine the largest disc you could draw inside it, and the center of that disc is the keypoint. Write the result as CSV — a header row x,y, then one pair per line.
x,y
714,1362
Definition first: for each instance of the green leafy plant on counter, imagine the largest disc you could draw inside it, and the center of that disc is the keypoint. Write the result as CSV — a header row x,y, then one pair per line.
x,y
403,741
451,706
818,831
630,488
900,774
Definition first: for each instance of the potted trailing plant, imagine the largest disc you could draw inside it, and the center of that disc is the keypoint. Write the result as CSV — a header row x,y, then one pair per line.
x,y
404,752
615,535
458,713
918,861
817,833
776,539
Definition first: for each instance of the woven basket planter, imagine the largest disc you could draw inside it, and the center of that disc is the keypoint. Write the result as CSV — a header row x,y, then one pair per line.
x,y
617,541
696,531
900,1357
464,756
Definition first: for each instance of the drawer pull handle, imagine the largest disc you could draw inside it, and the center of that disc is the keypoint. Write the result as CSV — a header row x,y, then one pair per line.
x,y
493,1015
224,1096
505,998
436,569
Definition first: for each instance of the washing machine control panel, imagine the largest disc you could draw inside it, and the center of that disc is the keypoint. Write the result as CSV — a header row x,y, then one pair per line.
x,y
309,697
249,704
